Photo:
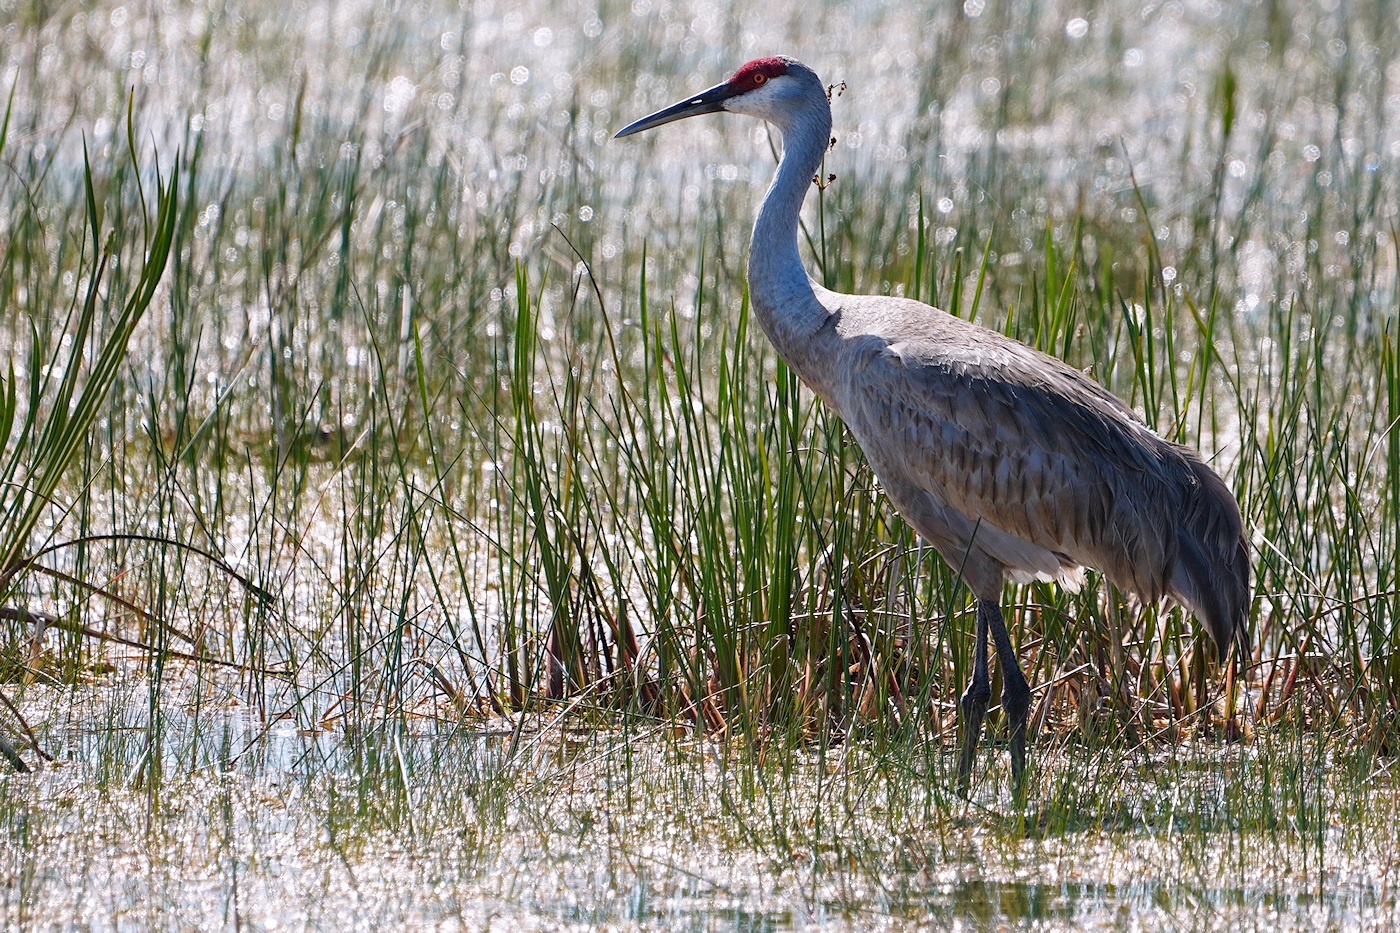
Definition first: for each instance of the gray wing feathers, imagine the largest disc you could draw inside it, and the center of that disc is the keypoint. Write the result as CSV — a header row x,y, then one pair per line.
x,y
1212,570
1047,470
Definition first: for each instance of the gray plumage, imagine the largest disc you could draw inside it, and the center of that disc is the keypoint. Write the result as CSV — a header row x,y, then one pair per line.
x,y
1012,464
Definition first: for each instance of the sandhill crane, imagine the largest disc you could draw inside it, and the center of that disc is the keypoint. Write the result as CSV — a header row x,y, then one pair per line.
x,y
1009,462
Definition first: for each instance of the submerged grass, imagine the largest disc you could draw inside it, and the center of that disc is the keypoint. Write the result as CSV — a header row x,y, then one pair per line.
x,y
620,828
541,591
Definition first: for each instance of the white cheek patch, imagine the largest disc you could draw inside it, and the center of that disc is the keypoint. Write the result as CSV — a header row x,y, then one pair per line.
x,y
764,102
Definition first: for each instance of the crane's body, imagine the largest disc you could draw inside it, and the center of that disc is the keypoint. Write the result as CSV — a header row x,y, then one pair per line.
x,y
1012,464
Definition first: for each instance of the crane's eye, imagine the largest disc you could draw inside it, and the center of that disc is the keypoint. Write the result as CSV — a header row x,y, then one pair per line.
x,y
759,77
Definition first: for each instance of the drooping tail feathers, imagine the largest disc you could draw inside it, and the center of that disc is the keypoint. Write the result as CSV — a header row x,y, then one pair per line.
x,y
1212,568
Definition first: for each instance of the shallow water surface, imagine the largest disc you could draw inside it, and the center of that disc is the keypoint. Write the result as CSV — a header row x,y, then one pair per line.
x,y
549,831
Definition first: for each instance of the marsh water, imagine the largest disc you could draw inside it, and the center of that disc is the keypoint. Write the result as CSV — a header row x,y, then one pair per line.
x,y
523,826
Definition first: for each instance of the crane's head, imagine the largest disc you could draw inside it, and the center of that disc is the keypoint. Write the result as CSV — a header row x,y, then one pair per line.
x,y
769,88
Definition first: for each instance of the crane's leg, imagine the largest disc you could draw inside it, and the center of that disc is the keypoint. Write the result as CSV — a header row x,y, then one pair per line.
x,y
1015,692
975,700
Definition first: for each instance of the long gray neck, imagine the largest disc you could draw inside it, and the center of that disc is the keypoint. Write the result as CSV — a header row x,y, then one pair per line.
x,y
782,296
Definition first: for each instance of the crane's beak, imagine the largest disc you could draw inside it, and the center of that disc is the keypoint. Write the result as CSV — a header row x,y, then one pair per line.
x,y
710,101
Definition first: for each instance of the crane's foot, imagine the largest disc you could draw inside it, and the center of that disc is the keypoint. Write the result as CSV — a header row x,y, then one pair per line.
x,y
974,711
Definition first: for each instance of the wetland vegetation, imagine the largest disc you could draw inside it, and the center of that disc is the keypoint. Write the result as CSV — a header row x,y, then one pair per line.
x,y
404,527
